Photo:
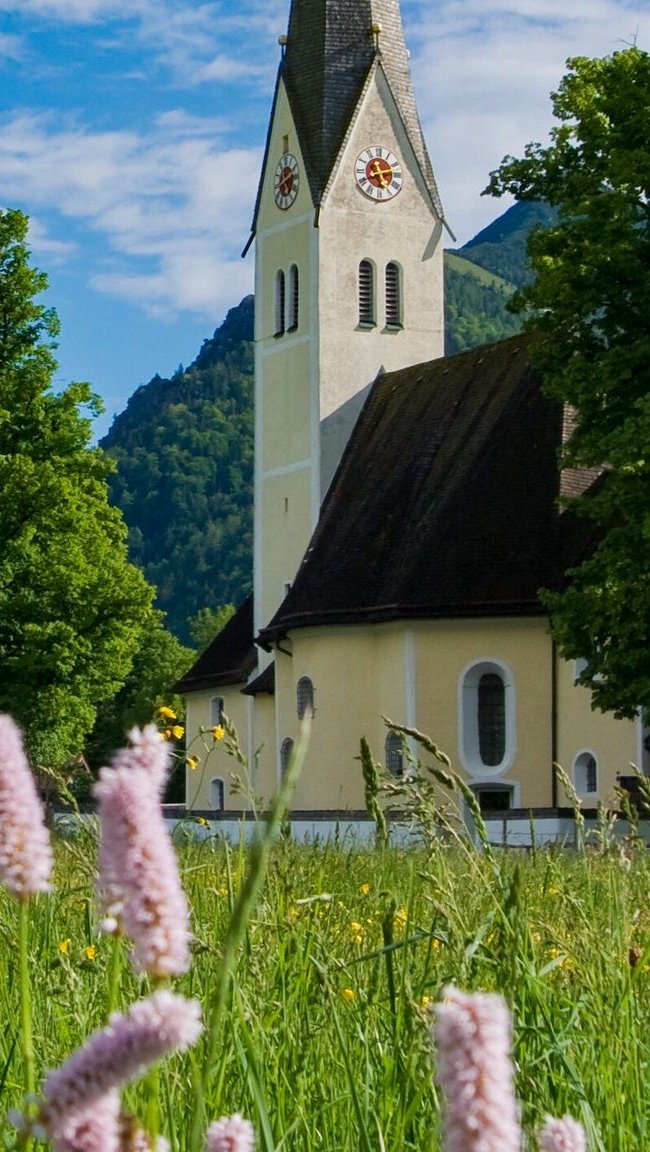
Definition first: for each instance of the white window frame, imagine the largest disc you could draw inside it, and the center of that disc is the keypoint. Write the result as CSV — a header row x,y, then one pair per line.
x,y
468,733
219,711
577,768
217,780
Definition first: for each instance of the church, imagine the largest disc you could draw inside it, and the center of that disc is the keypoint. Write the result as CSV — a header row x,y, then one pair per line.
x,y
407,506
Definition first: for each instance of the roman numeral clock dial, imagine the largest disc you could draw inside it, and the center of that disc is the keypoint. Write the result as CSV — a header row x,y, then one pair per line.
x,y
287,180
378,173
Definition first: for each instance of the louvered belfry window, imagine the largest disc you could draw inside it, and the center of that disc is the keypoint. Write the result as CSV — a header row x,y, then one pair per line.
x,y
393,296
294,297
280,298
366,293
491,719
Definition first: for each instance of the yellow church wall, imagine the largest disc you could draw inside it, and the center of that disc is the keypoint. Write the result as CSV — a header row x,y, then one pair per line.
x,y
286,510
270,216
412,674
286,438
214,763
614,743
290,242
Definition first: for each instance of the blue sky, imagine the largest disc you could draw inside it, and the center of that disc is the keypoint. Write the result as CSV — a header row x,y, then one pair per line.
x,y
131,132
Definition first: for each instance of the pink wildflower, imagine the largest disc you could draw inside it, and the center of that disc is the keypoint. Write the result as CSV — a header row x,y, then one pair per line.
x,y
92,1129
230,1134
475,1073
138,876
564,1135
119,1053
25,852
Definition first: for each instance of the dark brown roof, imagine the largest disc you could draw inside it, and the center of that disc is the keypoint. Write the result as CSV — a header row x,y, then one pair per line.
x,y
445,502
265,682
329,54
230,658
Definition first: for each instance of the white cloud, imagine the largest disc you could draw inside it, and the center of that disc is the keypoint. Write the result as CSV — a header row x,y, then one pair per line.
x,y
483,73
168,206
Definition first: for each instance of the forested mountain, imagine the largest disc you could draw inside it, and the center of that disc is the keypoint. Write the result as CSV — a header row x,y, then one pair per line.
x,y
184,479
184,447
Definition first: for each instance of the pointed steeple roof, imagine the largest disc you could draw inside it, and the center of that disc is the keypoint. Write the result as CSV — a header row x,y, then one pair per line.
x,y
330,51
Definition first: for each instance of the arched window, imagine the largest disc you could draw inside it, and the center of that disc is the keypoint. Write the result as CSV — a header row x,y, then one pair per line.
x,y
305,697
394,749
491,719
294,298
280,300
367,293
216,711
216,794
487,718
585,773
286,750
393,296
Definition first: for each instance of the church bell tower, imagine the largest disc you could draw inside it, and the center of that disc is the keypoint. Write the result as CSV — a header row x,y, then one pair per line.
x,y
348,275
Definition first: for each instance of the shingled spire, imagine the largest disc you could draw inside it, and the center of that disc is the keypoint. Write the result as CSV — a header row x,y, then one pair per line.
x,y
330,51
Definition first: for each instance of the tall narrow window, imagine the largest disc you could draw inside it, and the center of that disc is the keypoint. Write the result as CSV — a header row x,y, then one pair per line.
x,y
487,722
393,296
585,773
491,718
216,794
294,297
280,299
216,711
305,697
286,751
394,754
366,293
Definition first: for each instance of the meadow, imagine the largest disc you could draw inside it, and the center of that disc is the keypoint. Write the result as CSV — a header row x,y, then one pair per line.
x,y
324,1038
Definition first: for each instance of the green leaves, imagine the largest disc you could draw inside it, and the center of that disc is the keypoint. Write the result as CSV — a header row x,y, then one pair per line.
x,y
71,606
591,296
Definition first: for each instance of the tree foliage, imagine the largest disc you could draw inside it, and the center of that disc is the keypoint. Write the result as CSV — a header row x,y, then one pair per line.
x,y
591,295
71,605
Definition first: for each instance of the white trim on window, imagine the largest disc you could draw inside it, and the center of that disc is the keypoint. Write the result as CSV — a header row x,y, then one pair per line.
x,y
217,794
474,718
586,772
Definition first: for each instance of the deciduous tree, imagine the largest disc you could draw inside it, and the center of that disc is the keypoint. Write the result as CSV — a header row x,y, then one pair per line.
x,y
71,606
591,296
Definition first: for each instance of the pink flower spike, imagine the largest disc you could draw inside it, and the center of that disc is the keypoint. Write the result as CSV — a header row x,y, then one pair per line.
x,y
565,1135
475,1073
93,1129
138,872
119,1053
230,1134
25,851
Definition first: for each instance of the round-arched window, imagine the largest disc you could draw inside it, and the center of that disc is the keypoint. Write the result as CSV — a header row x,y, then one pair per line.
x,y
286,751
585,773
487,718
305,697
394,749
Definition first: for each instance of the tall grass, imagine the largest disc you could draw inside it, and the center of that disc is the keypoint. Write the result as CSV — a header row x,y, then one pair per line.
x,y
323,1042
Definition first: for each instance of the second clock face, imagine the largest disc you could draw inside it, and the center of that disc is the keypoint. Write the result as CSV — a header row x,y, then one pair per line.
x,y
287,179
378,173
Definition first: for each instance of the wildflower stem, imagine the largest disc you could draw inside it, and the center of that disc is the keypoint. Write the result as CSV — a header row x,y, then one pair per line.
x,y
114,972
235,932
26,1038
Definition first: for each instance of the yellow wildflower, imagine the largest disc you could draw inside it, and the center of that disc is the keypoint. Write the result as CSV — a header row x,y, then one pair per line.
x,y
348,994
193,762
166,713
364,889
218,732
90,952
425,1002
357,932
202,821
64,947
178,731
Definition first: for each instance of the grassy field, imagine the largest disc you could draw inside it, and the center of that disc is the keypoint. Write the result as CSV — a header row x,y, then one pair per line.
x,y
325,1040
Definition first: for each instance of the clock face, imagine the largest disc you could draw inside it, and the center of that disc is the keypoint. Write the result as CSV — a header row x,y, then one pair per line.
x,y
378,173
287,180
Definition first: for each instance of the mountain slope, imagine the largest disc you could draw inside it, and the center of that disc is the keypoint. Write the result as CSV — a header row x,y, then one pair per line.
x,y
184,447
184,454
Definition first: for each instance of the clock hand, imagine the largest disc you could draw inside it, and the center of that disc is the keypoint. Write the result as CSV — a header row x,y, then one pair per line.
x,y
379,173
